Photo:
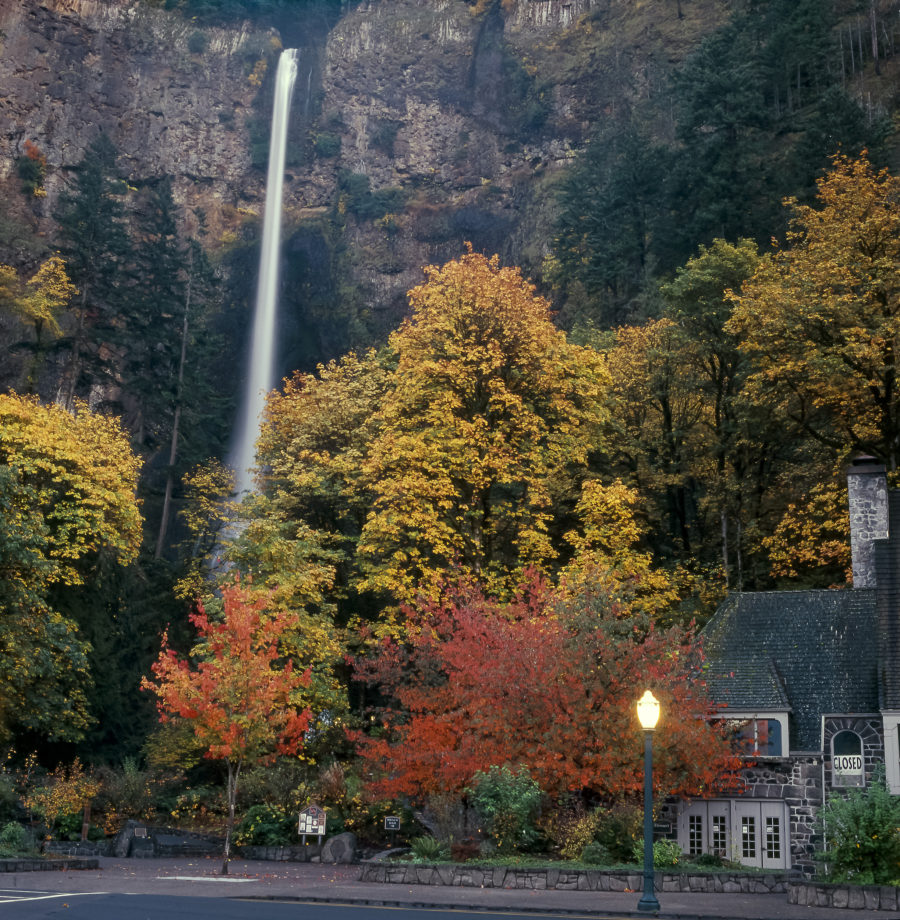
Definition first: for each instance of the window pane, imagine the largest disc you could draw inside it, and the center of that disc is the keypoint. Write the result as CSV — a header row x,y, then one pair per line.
x,y
743,732
769,737
719,835
695,835
773,838
847,743
748,837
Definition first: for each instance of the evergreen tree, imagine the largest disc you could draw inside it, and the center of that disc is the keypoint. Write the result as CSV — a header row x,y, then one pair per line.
x,y
607,242
151,319
94,245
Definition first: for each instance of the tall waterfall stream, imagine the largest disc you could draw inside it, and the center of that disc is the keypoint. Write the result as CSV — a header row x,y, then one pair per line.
x,y
261,372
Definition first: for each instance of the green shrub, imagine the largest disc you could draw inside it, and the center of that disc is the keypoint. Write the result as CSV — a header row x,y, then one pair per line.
x,y
197,42
429,849
570,827
327,145
618,828
68,827
265,826
9,798
861,830
359,199
508,804
384,135
709,860
13,839
666,853
595,854
31,172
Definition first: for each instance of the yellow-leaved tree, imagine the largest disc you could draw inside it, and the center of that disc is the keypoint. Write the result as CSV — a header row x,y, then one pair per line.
x,y
67,494
484,433
821,316
607,551
39,302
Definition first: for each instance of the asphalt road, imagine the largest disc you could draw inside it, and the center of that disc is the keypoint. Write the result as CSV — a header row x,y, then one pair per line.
x,y
43,905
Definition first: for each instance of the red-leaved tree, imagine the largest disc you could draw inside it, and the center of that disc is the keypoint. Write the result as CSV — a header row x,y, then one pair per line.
x,y
239,697
548,681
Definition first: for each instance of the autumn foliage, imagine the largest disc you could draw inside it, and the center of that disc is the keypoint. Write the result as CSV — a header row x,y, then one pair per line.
x,y
548,681
239,698
487,429
822,314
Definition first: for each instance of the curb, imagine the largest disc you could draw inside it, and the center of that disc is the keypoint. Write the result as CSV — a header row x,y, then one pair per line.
x,y
599,913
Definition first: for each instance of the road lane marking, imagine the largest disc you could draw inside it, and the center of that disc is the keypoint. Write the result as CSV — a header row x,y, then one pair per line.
x,y
37,896
202,878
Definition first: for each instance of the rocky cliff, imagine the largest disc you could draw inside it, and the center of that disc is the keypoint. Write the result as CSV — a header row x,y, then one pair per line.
x,y
418,123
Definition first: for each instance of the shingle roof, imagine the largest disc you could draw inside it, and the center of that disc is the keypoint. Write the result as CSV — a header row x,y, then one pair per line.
x,y
887,567
741,683
820,646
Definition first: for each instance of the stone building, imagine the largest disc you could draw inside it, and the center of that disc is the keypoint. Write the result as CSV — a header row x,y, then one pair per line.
x,y
811,684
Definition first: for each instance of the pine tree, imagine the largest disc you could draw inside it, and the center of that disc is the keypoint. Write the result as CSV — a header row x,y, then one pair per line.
x,y
94,245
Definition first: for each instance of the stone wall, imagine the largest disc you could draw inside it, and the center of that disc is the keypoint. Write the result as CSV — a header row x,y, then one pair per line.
x,y
853,897
467,876
797,781
867,495
870,729
78,847
298,853
46,865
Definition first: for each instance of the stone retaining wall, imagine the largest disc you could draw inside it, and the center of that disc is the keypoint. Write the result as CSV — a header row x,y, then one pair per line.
x,y
298,853
570,879
46,865
854,897
78,847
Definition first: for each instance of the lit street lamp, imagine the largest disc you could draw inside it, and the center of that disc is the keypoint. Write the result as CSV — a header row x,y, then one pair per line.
x,y
648,716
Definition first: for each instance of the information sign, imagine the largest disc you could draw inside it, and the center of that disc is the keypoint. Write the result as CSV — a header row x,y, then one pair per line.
x,y
312,823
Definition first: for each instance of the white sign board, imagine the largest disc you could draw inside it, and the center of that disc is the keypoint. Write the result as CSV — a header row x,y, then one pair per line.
x,y
312,822
848,765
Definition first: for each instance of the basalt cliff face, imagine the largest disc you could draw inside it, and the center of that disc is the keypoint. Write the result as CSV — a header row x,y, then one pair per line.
x,y
418,124
71,68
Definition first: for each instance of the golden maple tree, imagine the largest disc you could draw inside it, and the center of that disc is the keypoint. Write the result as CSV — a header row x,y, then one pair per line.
x,y
488,425
821,316
67,494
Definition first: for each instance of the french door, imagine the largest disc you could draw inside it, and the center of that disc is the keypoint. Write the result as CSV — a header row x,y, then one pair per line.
x,y
754,833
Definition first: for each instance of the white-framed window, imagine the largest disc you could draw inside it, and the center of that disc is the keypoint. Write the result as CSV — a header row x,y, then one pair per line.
x,y
759,734
892,750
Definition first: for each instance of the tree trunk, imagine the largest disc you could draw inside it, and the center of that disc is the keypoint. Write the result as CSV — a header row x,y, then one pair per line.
x,y
68,394
723,515
234,771
874,28
176,421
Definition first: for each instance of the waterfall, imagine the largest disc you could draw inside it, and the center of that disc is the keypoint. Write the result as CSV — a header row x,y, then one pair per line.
x,y
261,373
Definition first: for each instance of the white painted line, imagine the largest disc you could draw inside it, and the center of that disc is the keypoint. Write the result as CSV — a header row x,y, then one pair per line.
x,y
50,897
202,878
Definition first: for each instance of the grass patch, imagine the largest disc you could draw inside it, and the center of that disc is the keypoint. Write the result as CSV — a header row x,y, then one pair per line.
x,y
537,862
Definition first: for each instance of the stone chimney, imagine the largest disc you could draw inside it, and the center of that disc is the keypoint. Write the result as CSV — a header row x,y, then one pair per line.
x,y
868,498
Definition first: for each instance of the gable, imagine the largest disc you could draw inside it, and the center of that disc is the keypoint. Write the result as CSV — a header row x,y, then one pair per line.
x,y
815,651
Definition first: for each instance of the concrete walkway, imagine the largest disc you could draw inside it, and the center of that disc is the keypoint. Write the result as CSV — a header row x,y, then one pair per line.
x,y
313,882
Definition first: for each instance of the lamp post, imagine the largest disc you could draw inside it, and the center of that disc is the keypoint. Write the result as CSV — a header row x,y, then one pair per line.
x,y
648,716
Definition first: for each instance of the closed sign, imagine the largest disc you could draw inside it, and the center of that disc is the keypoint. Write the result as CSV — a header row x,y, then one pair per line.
x,y
848,764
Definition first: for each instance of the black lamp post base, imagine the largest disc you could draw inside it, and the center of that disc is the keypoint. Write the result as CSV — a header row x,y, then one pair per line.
x,y
648,903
